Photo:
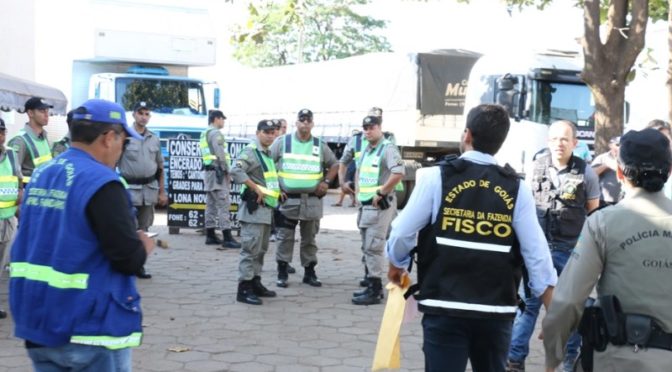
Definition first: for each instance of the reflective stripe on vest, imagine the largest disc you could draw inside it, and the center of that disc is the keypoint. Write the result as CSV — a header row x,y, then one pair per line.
x,y
301,164
109,342
39,150
369,172
9,186
362,142
206,154
48,275
272,189
453,305
123,182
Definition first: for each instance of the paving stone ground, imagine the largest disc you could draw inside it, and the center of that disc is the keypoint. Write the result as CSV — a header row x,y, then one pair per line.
x,y
190,305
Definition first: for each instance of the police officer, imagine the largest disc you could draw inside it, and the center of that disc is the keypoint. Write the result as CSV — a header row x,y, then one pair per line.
x,y
141,165
663,127
302,159
350,161
255,169
63,144
282,129
625,250
565,189
76,251
216,161
31,144
380,169
476,219
10,198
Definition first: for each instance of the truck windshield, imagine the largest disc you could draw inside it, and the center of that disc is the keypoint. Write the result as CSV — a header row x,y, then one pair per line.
x,y
551,101
179,97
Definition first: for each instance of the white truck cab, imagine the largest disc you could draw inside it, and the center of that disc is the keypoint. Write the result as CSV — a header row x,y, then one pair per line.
x,y
537,89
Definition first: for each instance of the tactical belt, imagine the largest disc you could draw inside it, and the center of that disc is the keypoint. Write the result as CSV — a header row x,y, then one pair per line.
x,y
298,196
659,339
140,181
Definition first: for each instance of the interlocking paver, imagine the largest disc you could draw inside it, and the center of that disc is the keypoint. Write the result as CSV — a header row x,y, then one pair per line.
x,y
190,302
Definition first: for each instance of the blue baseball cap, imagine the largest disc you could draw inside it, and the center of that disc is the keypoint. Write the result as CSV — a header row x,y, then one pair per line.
x,y
106,112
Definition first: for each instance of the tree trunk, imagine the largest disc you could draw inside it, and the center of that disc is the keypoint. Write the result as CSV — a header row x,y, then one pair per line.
x,y
607,64
608,113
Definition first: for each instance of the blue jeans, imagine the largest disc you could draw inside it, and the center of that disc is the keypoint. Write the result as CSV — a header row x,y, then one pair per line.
x,y
523,326
448,342
75,357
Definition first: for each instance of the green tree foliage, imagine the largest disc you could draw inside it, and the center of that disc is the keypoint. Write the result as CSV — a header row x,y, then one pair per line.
x,y
610,54
285,32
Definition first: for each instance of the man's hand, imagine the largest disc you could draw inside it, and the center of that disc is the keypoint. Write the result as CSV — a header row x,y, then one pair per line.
x,y
321,189
163,198
376,199
147,242
394,274
283,196
346,188
260,195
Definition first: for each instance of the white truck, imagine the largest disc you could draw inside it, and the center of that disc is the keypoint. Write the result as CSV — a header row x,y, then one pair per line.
x,y
421,94
424,97
537,89
127,51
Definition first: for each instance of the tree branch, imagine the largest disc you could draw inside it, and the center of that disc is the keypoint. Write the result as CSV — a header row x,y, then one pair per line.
x,y
636,34
616,22
591,40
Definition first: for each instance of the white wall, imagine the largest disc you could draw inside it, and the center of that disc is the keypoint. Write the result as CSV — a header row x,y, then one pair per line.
x,y
17,48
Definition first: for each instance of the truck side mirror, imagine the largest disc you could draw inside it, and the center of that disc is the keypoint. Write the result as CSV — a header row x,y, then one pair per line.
x,y
215,100
506,93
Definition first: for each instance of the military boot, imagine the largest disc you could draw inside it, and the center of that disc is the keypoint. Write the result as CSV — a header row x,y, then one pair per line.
x,y
282,274
309,276
372,295
259,288
211,237
246,293
365,282
229,241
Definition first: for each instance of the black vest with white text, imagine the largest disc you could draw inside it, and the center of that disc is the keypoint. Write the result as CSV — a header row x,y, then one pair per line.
x,y
469,261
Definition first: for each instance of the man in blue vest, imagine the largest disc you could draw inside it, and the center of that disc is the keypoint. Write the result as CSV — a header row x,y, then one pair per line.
x,y
477,224
10,198
302,159
72,285
31,144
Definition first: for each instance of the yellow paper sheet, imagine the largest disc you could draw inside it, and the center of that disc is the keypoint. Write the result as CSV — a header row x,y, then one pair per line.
x,y
388,353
